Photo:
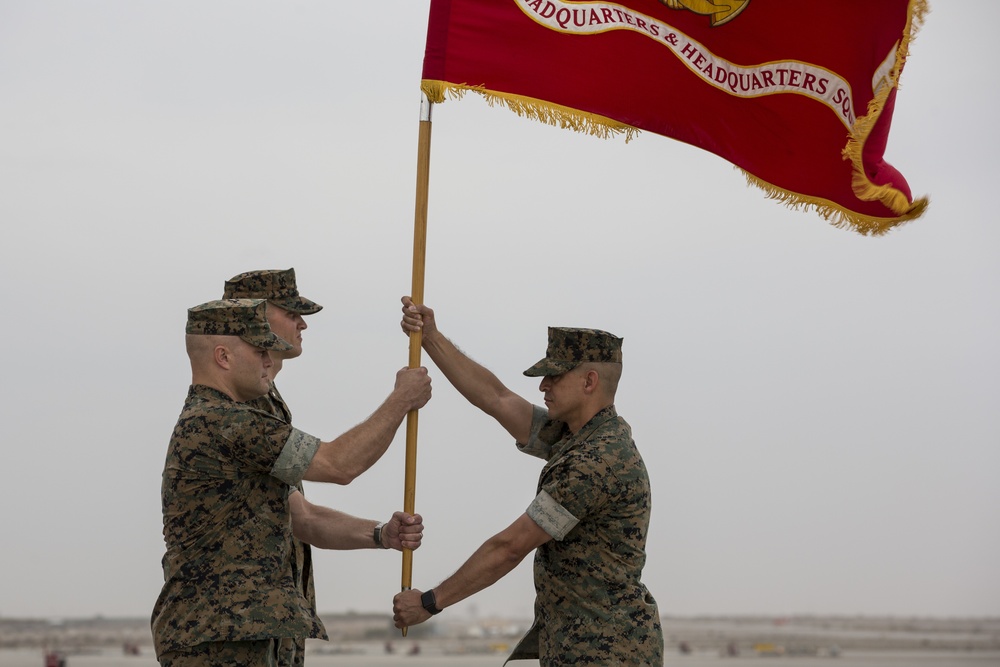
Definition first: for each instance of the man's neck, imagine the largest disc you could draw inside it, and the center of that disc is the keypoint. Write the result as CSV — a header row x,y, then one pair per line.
x,y
585,417
275,367
218,385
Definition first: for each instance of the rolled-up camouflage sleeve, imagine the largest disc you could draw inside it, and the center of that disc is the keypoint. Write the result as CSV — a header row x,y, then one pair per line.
x,y
544,433
295,457
550,516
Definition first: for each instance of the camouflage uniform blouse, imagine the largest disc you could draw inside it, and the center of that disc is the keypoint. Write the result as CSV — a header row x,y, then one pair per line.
x,y
594,500
273,403
227,527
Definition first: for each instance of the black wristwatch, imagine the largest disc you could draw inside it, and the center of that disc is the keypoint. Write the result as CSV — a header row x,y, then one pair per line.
x,y
377,535
429,602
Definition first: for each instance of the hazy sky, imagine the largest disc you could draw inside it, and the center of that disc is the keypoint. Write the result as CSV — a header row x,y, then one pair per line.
x,y
819,411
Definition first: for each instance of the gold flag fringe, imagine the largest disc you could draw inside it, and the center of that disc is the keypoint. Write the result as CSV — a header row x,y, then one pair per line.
x,y
834,213
528,107
603,127
892,198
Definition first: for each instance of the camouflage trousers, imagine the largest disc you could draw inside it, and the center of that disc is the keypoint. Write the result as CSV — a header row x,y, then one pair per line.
x,y
298,654
258,653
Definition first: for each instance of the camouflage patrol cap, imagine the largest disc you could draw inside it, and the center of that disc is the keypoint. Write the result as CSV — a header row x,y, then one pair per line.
x,y
568,348
245,318
275,285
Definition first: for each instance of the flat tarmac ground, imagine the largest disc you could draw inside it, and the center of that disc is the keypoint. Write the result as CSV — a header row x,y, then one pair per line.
x,y
35,658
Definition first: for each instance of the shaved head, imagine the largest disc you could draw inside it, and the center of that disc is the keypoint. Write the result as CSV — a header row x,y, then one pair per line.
x,y
229,364
610,374
200,347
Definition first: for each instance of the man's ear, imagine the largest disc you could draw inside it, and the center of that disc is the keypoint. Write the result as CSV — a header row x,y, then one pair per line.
x,y
591,380
222,356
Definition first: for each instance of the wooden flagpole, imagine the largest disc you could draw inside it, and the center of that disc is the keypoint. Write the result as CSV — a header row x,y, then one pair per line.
x,y
417,296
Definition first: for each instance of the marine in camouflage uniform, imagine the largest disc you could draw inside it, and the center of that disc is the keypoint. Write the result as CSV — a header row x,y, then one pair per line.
x,y
594,500
227,573
232,593
286,310
589,521
279,288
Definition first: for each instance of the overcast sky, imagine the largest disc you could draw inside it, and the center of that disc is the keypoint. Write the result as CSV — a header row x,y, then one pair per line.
x,y
819,411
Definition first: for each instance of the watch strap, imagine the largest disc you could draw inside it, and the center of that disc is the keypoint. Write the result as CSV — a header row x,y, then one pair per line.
x,y
377,535
429,602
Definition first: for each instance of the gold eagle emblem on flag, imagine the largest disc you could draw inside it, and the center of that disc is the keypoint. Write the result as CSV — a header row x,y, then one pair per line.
x,y
721,12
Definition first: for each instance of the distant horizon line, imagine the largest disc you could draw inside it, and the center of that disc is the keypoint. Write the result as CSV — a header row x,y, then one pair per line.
x,y
56,619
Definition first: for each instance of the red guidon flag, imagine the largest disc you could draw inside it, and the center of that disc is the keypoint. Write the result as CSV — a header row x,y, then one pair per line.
x,y
799,95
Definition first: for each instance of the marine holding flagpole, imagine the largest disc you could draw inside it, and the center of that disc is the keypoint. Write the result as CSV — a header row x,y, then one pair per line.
x,y
589,520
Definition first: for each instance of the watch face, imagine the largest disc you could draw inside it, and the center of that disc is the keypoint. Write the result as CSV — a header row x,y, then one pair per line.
x,y
429,602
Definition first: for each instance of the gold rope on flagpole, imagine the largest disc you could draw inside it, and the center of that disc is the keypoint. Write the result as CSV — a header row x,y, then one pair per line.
x,y
417,296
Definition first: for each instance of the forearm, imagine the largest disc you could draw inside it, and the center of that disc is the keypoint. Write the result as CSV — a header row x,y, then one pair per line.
x,y
348,456
490,563
331,529
476,383
479,385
